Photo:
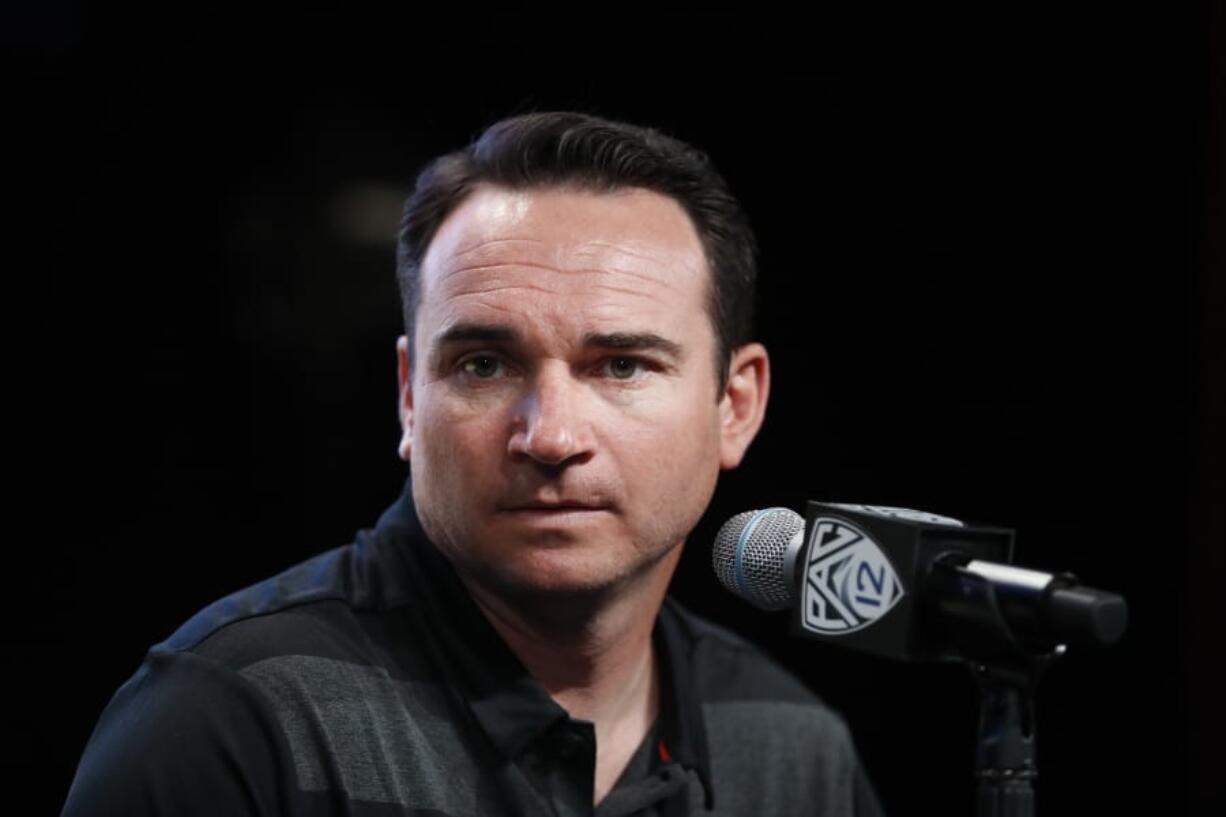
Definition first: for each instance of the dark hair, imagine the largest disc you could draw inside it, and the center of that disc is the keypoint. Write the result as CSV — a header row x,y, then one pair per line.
x,y
563,149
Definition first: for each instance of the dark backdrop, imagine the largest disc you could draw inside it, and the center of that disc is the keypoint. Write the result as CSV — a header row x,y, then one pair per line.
x,y
991,258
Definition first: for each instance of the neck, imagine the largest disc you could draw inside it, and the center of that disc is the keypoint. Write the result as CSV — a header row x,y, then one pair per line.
x,y
592,653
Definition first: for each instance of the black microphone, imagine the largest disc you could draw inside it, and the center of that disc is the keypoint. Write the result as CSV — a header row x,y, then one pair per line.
x,y
908,584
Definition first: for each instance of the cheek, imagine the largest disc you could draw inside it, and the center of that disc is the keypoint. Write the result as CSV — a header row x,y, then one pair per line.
x,y
454,471
674,459
452,443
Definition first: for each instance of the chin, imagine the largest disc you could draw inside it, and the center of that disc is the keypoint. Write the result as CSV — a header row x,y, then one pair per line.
x,y
561,574
556,574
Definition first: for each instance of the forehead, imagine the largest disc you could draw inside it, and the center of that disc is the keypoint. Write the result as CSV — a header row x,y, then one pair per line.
x,y
597,251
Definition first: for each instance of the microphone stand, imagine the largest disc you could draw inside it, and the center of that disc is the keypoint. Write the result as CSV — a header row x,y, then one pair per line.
x,y
1007,672
1004,758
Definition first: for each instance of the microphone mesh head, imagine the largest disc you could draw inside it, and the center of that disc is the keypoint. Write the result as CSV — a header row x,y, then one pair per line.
x,y
749,555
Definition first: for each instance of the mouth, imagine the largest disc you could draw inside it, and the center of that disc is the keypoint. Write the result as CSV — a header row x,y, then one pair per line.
x,y
555,509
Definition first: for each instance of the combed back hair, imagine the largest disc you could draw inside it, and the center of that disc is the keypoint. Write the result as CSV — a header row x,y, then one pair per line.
x,y
582,152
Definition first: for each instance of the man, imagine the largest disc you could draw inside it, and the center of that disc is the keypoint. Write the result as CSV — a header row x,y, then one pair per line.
x,y
576,371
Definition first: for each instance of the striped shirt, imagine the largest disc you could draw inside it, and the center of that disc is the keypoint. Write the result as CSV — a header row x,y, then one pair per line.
x,y
365,681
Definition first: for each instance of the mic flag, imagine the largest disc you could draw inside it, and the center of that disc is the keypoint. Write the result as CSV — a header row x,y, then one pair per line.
x,y
907,584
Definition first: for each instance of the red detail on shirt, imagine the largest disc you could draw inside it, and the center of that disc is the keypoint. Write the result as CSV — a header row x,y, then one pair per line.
x,y
664,755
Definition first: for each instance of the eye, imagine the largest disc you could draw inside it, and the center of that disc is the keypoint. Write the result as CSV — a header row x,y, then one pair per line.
x,y
482,366
624,368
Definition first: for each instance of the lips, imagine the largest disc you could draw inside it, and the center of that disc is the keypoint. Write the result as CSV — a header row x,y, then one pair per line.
x,y
559,505
546,507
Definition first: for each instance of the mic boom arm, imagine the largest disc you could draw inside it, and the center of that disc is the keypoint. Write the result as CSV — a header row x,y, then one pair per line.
x,y
911,585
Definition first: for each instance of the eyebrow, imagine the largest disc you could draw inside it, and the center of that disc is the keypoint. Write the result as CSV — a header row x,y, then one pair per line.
x,y
500,333
633,342
488,332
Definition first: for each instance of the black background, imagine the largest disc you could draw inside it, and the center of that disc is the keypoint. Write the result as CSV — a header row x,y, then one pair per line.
x,y
991,288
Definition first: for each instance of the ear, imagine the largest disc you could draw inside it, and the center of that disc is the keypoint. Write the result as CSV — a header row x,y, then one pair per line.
x,y
742,406
404,375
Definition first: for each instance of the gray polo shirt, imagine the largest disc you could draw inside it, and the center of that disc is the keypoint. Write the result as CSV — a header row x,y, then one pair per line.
x,y
366,682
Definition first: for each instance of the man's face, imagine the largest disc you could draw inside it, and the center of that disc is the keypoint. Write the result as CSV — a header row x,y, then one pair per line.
x,y
559,403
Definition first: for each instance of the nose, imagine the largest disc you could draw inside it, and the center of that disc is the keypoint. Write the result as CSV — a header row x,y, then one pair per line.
x,y
551,426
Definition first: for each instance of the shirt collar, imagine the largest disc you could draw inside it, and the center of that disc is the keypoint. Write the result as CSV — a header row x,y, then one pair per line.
x,y
682,727
510,706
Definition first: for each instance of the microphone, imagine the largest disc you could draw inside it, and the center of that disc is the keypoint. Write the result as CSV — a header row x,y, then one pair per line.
x,y
908,584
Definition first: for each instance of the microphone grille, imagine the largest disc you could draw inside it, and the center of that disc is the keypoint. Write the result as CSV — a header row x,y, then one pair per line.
x,y
750,552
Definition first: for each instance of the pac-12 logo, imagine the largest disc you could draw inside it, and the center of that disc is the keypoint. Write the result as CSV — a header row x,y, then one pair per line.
x,y
849,581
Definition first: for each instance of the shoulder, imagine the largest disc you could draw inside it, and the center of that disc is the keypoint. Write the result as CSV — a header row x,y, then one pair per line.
x,y
339,578
209,717
728,668
335,606
323,606
181,733
193,727
772,741
243,706
321,631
